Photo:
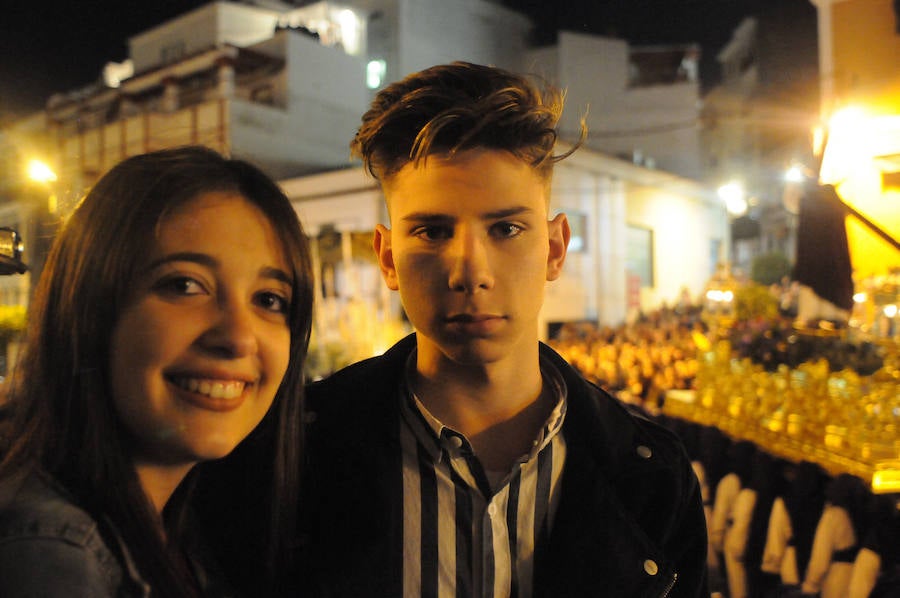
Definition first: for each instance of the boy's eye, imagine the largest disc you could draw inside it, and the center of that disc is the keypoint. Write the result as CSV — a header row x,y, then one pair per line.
x,y
433,232
506,229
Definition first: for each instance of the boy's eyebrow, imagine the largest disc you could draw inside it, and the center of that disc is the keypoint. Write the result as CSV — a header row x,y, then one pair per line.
x,y
507,212
427,217
493,215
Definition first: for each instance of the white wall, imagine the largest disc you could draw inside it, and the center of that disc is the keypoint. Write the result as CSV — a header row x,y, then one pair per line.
x,y
613,194
437,31
683,229
661,121
200,29
325,98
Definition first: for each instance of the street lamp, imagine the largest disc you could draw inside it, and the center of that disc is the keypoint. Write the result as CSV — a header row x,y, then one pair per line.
x,y
794,174
735,199
40,172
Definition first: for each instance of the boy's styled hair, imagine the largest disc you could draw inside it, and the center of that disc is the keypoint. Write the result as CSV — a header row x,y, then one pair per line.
x,y
459,106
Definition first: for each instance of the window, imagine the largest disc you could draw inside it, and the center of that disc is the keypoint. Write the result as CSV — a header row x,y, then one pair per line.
x,y
578,226
172,53
263,94
639,254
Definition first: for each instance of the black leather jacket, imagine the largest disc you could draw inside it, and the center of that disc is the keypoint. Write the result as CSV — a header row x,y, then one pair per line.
x,y
630,520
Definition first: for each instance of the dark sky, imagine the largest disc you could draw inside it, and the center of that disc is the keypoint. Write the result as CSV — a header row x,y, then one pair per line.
x,y
52,46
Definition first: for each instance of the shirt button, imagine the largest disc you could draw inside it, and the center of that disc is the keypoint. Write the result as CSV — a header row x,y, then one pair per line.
x,y
456,441
492,510
650,567
644,452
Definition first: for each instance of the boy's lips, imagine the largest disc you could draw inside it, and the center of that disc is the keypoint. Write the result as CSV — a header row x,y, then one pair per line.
x,y
466,318
476,324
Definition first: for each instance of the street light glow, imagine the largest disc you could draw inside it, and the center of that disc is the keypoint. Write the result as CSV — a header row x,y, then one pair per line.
x,y
733,195
794,174
41,173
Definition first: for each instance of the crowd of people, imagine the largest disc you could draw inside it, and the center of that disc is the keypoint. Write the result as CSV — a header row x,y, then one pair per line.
x,y
641,360
776,528
789,529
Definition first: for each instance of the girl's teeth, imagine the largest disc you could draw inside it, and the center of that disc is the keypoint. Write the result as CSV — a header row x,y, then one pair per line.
x,y
214,389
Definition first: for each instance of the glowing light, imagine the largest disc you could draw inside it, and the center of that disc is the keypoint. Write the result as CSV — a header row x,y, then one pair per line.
x,y
886,479
794,174
39,171
735,200
375,72
116,72
850,141
890,310
849,117
720,296
349,25
860,298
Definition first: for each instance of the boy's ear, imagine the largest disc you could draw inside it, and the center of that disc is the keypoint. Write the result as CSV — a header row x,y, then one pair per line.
x,y
382,245
559,245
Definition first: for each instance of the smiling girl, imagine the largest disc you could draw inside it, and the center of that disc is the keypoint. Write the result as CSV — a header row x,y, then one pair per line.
x,y
172,317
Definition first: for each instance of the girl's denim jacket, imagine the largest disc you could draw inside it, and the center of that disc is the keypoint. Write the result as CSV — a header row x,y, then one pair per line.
x,y
51,547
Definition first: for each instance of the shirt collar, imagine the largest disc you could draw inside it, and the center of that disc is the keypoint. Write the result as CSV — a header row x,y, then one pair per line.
x,y
436,437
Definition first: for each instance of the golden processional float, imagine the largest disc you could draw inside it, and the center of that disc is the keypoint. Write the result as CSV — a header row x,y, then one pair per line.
x,y
825,386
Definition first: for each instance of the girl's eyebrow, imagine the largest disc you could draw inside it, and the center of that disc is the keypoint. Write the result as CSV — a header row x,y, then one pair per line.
x,y
207,260
183,256
276,274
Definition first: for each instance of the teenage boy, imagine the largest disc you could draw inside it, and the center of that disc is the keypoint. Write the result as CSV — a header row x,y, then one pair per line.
x,y
471,460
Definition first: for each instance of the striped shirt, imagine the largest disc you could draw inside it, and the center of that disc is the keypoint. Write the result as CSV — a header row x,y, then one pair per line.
x,y
466,531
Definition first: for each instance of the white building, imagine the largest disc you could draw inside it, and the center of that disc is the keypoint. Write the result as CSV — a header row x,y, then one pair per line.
x,y
642,103
285,86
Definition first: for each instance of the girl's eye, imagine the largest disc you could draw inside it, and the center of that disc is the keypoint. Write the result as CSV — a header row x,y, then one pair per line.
x,y
181,285
273,302
507,229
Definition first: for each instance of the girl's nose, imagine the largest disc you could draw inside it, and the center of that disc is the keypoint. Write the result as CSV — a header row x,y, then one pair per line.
x,y
232,333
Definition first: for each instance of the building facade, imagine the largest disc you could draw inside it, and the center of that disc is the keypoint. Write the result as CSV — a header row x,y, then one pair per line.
x,y
284,87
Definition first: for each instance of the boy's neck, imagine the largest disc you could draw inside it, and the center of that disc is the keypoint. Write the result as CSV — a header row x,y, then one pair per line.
x,y
499,406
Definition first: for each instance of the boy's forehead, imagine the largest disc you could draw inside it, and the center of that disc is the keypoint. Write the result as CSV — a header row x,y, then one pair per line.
x,y
479,169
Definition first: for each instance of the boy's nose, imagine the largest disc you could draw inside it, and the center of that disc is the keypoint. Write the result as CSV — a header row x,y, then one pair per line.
x,y
470,268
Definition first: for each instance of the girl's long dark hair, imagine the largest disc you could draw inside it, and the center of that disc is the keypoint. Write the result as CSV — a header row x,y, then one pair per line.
x,y
59,413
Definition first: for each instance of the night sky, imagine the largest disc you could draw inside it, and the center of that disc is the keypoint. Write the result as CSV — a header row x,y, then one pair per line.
x,y
53,46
